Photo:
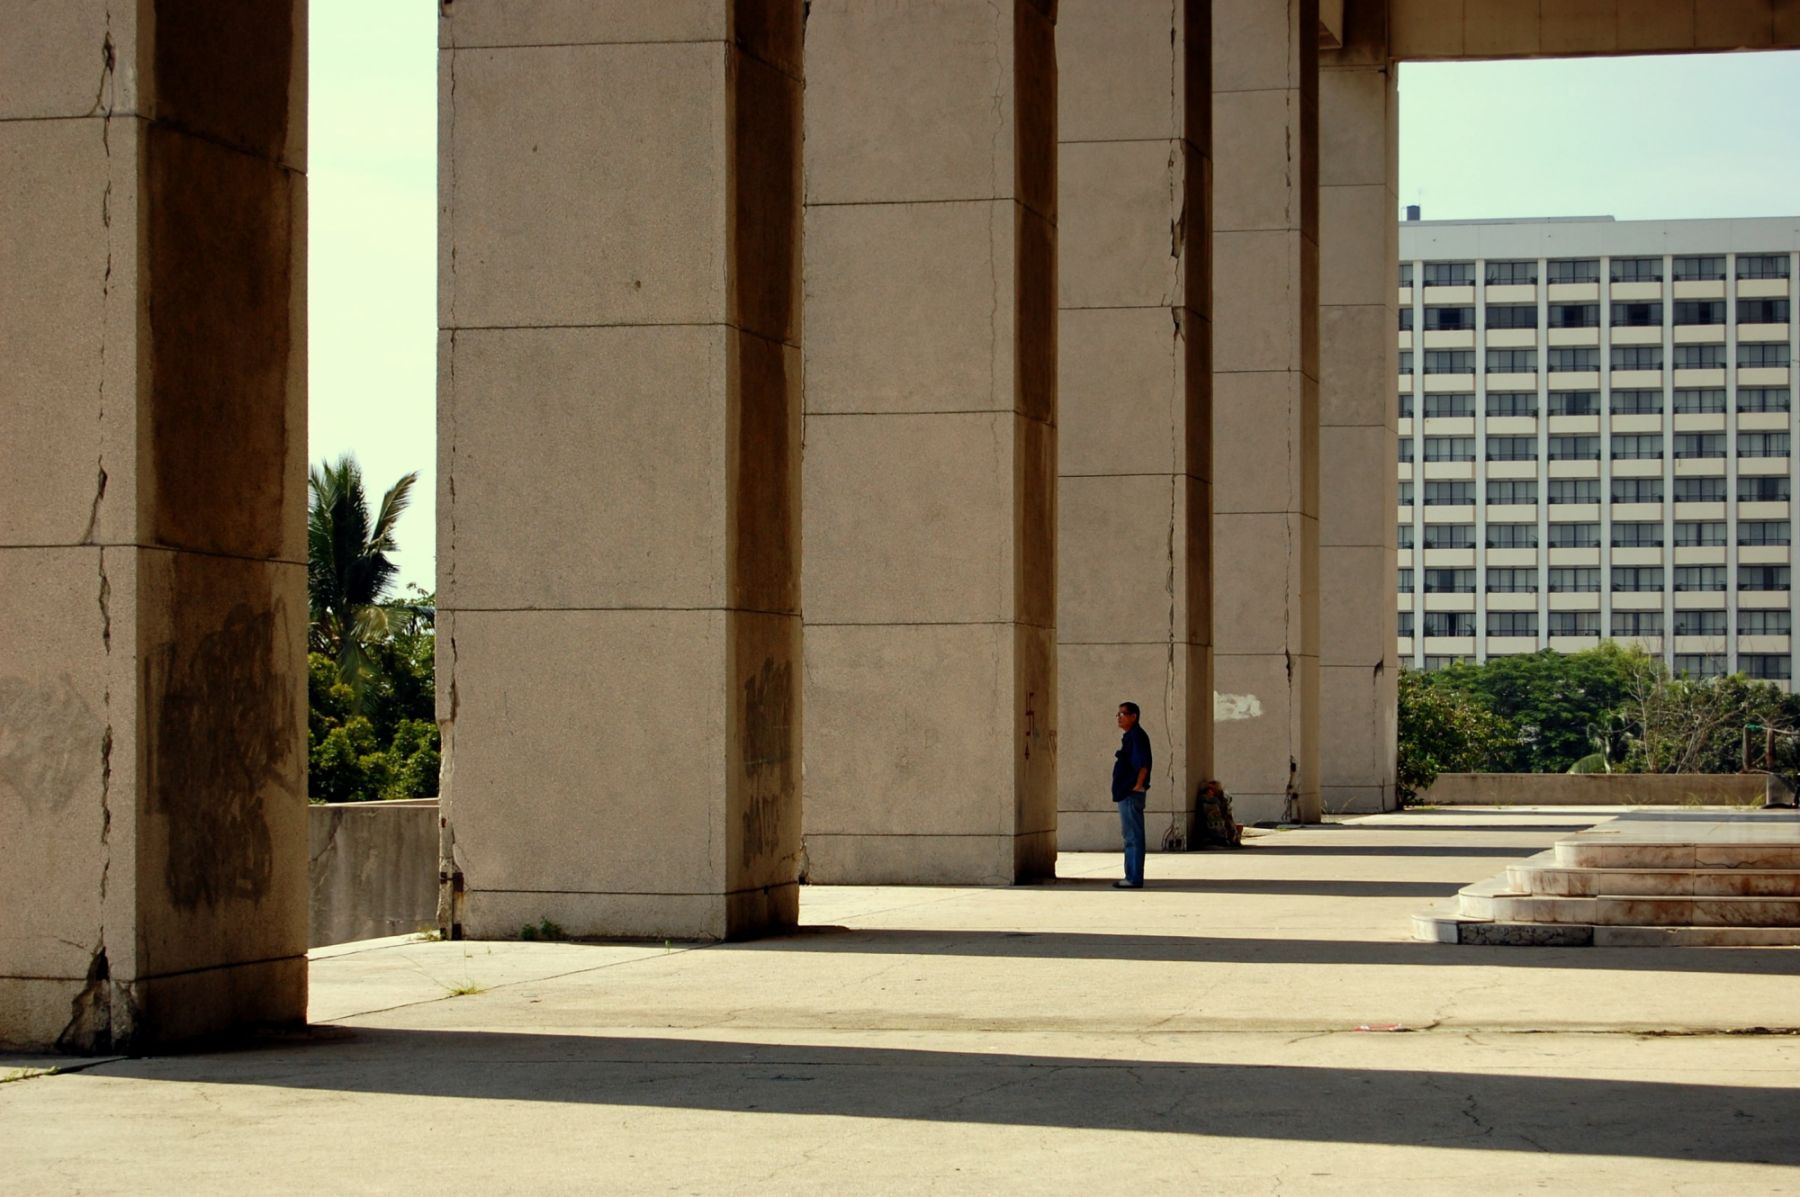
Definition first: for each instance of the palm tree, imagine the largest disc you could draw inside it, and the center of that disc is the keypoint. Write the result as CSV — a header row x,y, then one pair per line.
x,y
347,568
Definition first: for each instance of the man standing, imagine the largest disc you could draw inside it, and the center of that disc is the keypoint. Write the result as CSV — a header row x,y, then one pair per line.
x,y
1131,778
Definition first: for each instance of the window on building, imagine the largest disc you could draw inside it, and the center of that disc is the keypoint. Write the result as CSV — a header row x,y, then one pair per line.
x,y
1763,489
1573,315
1574,490
1637,579
1574,536
1458,448
1689,312
1512,403
1451,404
1512,581
1512,448
1637,315
1574,403
1512,623
1511,274
1510,492
1512,361
1762,399
1637,403
1643,625
1699,490
1574,270
1406,581
1406,494
1638,534
1636,490
1406,361
1699,357
1512,536
1700,623
1449,361
1406,273
1449,536
1406,449
1406,405
1637,357
1699,444
1406,319
1449,581
1403,536
1763,578
1764,354
1765,623
1449,319
1434,664
1406,625
1512,315
1569,361
1450,623
1764,532
1699,577
1699,269
1449,274
1694,401
1577,580
1639,446
1637,270
1575,623
1575,448
1700,664
1762,311
1762,266
1695,534
1766,667
1762,444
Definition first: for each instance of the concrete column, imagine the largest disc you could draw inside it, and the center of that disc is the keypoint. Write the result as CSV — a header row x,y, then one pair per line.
x,y
1133,477
930,442
619,633
152,522
1358,415
1266,404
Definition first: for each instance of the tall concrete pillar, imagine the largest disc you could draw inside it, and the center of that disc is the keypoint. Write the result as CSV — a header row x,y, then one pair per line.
x,y
930,442
1358,246
1266,404
152,522
619,633
1134,334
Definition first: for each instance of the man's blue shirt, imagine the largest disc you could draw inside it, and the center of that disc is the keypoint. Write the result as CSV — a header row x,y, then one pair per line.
x,y
1133,754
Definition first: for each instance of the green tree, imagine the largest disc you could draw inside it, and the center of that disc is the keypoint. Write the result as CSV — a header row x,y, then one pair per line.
x,y
1443,729
348,571
1556,701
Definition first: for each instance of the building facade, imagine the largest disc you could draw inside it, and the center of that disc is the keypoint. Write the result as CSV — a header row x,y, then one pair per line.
x,y
1596,440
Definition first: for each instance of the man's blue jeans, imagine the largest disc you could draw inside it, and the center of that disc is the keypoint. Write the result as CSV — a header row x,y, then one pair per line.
x,y
1131,823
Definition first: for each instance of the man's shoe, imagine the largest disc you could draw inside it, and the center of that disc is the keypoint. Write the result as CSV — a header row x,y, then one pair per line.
x,y
1128,885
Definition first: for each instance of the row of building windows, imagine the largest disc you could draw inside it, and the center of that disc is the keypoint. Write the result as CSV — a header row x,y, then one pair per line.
x,y
1579,579
1524,491
1633,534
1758,666
1625,447
1586,359
1462,624
1623,402
1687,314
1690,268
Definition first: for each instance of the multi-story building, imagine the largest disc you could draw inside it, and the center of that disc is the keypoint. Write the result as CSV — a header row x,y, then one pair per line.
x,y
1596,440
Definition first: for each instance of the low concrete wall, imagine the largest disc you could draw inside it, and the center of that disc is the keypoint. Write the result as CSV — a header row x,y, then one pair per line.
x,y
374,868
1595,789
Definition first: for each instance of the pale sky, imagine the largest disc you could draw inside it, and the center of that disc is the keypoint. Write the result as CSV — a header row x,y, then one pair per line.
x,y
1635,138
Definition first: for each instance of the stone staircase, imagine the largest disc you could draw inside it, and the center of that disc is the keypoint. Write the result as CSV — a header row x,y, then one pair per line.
x,y
1721,879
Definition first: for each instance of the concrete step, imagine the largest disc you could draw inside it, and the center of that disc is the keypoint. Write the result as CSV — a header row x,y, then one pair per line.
x,y
1601,854
1691,911
1449,928
1532,908
1551,880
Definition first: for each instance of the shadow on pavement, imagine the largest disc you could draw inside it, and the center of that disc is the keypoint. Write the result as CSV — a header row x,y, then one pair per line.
x,y
1276,886
1413,1107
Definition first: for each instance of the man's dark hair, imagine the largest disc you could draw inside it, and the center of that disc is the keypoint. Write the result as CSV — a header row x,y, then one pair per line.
x,y
1130,708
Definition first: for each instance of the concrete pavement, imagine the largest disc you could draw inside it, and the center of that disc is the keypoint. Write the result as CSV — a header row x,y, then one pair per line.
x,y
1251,1022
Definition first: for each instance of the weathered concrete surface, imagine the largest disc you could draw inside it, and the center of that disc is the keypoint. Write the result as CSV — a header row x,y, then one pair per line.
x,y
619,454
152,520
1595,789
1220,1030
1473,29
373,869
